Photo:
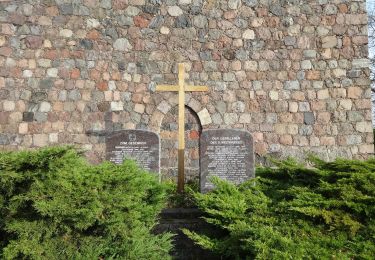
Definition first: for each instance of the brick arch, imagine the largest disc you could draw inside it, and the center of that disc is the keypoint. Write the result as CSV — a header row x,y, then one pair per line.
x,y
163,107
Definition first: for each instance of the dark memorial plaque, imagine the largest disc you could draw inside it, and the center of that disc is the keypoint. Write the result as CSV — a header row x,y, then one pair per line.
x,y
139,145
227,154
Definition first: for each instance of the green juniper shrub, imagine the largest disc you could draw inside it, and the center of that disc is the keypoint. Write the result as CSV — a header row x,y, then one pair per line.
x,y
294,212
54,205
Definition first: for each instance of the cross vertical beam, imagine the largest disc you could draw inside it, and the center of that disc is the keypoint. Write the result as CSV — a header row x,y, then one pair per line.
x,y
181,128
181,88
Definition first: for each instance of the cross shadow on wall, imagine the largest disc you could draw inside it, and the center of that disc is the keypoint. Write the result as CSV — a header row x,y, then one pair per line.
x,y
169,145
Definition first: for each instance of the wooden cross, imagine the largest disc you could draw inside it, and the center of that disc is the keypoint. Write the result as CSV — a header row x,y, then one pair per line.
x,y
181,88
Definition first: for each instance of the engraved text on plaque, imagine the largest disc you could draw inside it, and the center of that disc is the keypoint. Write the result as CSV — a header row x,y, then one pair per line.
x,y
139,145
227,154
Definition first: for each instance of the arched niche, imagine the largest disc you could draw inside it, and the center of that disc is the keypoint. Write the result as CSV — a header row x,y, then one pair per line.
x,y
169,145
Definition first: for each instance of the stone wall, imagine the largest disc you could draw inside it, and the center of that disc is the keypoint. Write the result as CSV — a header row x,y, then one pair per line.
x,y
294,73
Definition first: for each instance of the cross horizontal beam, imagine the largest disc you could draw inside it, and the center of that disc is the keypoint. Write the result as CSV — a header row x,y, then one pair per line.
x,y
167,88
196,88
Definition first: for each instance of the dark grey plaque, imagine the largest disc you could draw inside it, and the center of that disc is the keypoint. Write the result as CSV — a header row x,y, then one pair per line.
x,y
227,154
139,145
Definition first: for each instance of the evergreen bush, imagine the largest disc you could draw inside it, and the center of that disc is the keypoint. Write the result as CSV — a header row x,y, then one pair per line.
x,y
53,205
294,212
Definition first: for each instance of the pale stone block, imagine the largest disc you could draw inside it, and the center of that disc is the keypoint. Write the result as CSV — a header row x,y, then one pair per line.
x,y
44,107
9,105
27,73
324,117
329,41
360,63
248,34
322,30
47,44
257,22
175,11
306,65
293,107
139,108
117,106
137,2
238,107
251,66
264,65
280,129
292,129
66,33
234,4
236,65
364,127
32,64
92,23
245,119
294,30
137,78
345,104
309,53
15,117
314,141
230,118
318,84
74,127
164,30
127,77
122,44
353,139
40,140
45,63
164,107
286,140
108,95
132,11
301,141
184,2
304,106
45,20
52,72
323,94
111,85
2,40
195,104
217,119
274,95
204,117
23,128
327,140
354,150
339,73
354,92
290,85
366,148
53,137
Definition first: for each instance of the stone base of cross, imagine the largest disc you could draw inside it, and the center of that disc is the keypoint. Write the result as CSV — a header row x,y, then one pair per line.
x,y
181,88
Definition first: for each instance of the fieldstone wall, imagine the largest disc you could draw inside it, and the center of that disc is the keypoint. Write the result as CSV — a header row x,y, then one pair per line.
x,y
294,73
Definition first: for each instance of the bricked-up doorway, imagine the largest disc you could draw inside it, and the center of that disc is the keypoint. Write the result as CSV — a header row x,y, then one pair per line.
x,y
169,137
